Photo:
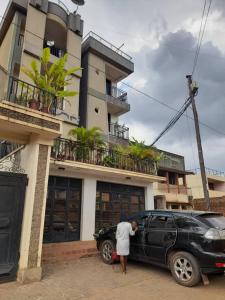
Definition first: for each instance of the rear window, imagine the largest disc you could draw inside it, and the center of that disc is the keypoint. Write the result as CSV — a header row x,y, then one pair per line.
x,y
215,221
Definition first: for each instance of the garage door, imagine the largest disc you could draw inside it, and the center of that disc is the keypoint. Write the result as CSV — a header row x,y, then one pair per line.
x,y
112,200
63,209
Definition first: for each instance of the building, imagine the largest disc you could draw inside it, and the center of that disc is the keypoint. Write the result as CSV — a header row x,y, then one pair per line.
x,y
174,193
55,200
216,184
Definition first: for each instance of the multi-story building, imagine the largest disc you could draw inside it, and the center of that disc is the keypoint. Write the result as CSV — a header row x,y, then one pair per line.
x,y
61,198
174,193
216,184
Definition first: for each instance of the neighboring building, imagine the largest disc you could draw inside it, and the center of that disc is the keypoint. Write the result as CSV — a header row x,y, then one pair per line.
x,y
174,193
66,197
216,184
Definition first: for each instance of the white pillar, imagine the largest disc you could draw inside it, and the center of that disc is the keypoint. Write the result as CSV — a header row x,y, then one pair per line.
x,y
88,208
149,197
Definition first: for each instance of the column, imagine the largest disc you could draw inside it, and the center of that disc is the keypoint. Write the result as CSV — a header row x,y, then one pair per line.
x,y
35,159
88,208
149,197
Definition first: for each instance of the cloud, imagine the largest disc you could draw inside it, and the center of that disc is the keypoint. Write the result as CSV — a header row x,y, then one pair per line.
x,y
165,79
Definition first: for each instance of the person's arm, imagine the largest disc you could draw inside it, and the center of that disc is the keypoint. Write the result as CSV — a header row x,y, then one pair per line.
x,y
117,232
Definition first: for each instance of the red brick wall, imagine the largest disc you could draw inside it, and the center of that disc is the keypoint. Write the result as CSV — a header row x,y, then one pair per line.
x,y
217,204
59,252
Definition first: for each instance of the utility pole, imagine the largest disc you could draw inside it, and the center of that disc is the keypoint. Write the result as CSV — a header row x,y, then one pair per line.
x,y
192,91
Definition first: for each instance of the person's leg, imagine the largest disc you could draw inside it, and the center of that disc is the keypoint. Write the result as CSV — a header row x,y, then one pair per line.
x,y
122,263
125,264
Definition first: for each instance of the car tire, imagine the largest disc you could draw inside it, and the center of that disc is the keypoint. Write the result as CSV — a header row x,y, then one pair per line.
x,y
185,269
106,251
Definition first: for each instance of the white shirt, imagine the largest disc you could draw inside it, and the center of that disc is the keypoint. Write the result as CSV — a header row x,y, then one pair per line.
x,y
123,232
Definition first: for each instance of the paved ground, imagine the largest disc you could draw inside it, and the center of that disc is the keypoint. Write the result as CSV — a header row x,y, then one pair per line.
x,y
89,278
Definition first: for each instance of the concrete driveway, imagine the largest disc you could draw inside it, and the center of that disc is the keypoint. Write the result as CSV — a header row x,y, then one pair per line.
x,y
89,278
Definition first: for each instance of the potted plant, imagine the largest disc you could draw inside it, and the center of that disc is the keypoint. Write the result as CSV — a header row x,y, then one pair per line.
x,y
52,81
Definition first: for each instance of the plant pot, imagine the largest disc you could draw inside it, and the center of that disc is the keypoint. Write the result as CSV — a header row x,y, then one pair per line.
x,y
45,110
33,104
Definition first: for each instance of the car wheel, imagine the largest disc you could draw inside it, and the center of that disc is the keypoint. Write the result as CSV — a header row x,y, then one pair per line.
x,y
107,248
185,269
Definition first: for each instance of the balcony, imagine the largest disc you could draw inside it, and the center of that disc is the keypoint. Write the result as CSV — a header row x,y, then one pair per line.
x,y
118,133
117,101
28,95
109,53
68,150
54,50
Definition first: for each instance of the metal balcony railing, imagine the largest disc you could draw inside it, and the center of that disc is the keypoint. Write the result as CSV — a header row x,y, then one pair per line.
x,y
107,44
118,94
65,149
28,95
6,148
119,131
54,50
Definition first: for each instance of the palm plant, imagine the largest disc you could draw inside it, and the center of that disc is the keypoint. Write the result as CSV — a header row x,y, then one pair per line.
x,y
87,139
53,80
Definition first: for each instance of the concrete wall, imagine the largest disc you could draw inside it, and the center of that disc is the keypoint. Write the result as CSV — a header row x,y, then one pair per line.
x,y
195,183
7,46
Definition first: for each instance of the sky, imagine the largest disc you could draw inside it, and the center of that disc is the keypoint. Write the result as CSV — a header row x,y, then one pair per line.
x,y
161,36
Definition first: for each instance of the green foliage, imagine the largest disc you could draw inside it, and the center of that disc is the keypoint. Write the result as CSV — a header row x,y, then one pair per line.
x,y
89,137
54,78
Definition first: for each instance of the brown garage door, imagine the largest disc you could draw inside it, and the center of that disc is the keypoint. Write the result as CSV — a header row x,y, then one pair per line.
x,y
112,200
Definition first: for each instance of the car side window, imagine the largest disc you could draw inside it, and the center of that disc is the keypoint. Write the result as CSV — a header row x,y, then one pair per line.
x,y
162,222
186,223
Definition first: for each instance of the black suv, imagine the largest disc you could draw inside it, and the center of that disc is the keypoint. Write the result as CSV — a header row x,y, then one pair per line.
x,y
190,244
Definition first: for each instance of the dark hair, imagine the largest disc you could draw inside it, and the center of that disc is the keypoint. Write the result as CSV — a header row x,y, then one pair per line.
x,y
123,217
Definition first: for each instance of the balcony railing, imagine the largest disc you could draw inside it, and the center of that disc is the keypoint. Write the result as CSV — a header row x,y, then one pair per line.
x,y
28,95
107,44
118,94
54,50
70,150
6,148
119,131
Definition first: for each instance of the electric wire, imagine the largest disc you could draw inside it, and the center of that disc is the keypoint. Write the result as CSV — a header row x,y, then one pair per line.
x,y
174,120
201,38
126,84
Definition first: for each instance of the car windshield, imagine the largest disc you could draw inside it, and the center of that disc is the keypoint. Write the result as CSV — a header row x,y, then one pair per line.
x,y
215,221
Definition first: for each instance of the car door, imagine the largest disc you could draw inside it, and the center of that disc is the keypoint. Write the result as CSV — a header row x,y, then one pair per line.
x,y
138,240
160,235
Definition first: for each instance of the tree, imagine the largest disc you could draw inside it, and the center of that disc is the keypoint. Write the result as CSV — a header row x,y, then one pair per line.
x,y
54,78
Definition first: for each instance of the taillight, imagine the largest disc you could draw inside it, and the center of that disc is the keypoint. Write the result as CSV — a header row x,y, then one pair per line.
x,y
220,265
215,234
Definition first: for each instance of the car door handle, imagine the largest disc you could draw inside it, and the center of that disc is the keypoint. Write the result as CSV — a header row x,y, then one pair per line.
x,y
4,223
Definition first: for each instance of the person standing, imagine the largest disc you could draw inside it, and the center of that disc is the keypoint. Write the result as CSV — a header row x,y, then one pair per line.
x,y
123,233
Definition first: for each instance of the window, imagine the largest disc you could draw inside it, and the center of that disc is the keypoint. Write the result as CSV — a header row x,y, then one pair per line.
x,y
213,220
108,87
175,206
183,222
162,222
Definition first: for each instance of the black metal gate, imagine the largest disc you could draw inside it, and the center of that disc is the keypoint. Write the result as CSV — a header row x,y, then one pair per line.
x,y
115,199
63,209
12,195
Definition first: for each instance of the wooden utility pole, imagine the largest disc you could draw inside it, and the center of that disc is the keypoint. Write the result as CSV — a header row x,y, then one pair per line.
x,y
192,91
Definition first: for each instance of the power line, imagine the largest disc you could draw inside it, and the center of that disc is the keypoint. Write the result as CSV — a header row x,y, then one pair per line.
x,y
170,107
128,85
199,37
201,34
174,120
